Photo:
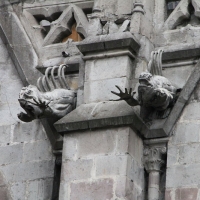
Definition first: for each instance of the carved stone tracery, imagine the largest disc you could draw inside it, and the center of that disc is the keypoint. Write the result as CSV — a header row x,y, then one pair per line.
x,y
182,13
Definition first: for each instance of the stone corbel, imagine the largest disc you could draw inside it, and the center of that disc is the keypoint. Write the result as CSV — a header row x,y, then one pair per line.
x,y
154,161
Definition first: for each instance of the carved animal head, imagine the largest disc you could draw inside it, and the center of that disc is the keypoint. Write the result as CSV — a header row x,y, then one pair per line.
x,y
30,99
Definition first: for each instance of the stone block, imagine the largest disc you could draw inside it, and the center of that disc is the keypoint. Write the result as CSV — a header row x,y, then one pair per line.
x,y
168,195
40,189
18,190
10,91
28,171
11,154
9,112
9,73
111,165
180,80
26,132
124,187
186,193
99,189
135,146
4,193
76,170
96,91
189,153
172,155
183,176
186,133
122,144
98,142
191,111
64,190
109,68
39,150
5,134
69,147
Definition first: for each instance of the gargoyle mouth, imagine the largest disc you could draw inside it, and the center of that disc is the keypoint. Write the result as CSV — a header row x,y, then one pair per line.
x,y
27,107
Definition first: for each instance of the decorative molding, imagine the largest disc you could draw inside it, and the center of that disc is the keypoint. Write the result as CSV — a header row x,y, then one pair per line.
x,y
153,158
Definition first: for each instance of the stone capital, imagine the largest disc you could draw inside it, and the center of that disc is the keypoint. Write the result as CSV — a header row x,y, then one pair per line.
x,y
154,156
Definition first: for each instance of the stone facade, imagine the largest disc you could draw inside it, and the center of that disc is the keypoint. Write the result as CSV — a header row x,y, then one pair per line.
x,y
102,149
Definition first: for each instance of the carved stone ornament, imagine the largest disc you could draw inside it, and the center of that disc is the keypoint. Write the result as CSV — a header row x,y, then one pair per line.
x,y
153,158
52,97
182,13
156,95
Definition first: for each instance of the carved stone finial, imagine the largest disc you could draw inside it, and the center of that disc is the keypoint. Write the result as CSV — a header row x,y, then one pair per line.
x,y
153,158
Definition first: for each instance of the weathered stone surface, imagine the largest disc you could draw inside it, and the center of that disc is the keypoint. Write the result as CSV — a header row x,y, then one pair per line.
x,y
109,68
183,175
28,171
98,91
11,154
123,187
18,190
186,133
124,8
168,195
172,155
111,165
4,194
41,151
5,134
101,142
76,170
191,111
23,132
98,190
186,193
188,153
39,189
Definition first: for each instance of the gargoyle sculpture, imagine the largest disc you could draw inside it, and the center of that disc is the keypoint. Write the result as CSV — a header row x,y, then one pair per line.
x,y
44,101
156,95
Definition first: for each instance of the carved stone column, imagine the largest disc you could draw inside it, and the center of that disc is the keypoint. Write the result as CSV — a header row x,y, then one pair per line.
x,y
136,19
154,159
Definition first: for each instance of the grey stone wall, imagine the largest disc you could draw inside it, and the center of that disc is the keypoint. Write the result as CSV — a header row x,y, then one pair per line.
x,y
26,161
183,162
102,164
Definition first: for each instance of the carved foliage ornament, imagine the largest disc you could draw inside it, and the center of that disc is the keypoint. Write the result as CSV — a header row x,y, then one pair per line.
x,y
153,158
52,98
155,94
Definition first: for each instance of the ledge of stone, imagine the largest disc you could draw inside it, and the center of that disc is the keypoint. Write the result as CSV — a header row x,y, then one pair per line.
x,y
181,54
108,114
109,42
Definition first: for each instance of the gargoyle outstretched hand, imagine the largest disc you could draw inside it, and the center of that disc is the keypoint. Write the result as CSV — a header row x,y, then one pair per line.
x,y
126,96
